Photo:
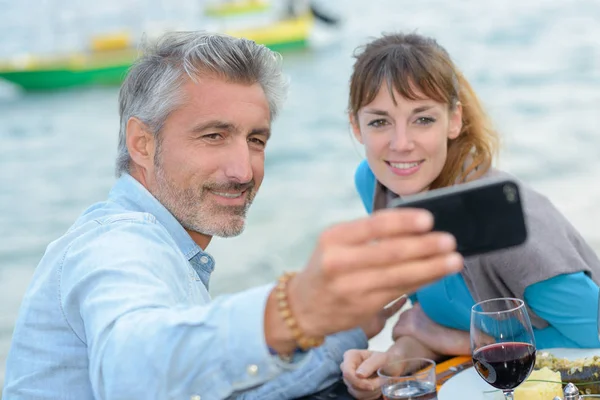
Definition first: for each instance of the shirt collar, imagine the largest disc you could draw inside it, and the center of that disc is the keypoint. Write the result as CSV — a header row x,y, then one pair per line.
x,y
130,193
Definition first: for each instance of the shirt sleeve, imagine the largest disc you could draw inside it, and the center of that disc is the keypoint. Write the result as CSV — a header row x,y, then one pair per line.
x,y
321,370
569,303
124,293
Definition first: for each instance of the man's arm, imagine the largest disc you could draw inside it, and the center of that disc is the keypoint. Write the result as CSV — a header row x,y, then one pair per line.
x,y
123,296
124,292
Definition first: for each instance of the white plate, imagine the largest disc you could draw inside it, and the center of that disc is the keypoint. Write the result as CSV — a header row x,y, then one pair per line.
x,y
468,385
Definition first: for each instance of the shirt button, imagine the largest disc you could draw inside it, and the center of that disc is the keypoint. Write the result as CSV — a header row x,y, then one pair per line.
x,y
203,259
252,370
195,397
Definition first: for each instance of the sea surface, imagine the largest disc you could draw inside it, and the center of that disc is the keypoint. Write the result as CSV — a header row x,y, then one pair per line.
x,y
535,65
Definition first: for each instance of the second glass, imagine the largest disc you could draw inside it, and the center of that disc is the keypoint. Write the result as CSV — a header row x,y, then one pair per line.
x,y
408,379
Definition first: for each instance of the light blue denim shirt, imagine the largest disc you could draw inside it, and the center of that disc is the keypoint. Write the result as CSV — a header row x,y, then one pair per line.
x,y
118,308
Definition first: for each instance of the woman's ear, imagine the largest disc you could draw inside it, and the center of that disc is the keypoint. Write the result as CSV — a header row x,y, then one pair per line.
x,y
456,124
355,128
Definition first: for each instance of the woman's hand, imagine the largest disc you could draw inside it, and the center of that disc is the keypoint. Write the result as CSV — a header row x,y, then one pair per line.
x,y
374,325
440,339
359,370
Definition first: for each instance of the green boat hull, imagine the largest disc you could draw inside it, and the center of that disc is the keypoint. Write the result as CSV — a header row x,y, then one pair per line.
x,y
288,46
64,78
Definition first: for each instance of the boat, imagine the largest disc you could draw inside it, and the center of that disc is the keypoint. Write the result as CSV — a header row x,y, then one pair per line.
x,y
105,63
283,35
109,56
236,7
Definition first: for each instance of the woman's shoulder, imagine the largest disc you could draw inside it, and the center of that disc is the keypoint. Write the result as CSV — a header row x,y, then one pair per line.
x,y
363,176
544,221
553,245
533,201
364,180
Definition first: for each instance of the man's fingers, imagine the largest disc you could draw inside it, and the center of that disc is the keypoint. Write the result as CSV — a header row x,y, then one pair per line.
x,y
370,366
382,224
359,384
352,380
389,251
352,359
363,394
404,277
421,272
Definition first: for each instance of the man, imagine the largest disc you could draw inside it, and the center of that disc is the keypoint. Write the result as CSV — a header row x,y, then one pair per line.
x,y
118,307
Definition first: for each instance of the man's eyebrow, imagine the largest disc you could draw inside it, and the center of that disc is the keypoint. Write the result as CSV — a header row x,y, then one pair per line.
x,y
229,127
214,124
261,131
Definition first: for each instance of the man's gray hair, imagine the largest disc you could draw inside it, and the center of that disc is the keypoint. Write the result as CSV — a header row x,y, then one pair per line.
x,y
152,88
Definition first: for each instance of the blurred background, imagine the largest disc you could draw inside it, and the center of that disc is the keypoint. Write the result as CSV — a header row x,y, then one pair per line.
x,y
535,64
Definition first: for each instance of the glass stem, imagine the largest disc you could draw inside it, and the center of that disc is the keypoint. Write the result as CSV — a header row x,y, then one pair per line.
x,y
508,395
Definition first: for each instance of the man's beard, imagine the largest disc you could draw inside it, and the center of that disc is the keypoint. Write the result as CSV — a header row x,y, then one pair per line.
x,y
195,211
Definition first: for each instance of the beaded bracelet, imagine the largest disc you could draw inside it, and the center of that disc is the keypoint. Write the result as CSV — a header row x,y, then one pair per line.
x,y
302,341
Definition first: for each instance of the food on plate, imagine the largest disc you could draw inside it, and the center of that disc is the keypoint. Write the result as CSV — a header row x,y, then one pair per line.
x,y
542,384
580,371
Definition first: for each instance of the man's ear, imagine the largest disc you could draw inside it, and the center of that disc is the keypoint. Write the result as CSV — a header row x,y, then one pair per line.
x,y
355,128
456,124
141,144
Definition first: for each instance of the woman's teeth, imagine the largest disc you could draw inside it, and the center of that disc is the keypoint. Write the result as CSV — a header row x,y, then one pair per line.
x,y
405,165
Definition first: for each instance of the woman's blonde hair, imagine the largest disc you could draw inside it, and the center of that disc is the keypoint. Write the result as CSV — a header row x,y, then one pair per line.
x,y
417,66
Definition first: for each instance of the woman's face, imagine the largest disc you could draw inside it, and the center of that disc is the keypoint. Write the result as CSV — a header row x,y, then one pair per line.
x,y
406,142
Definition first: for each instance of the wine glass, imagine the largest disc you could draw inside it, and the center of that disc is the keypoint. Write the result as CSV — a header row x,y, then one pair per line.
x,y
502,343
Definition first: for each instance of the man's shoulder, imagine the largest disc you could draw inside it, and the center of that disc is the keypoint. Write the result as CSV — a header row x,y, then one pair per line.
x,y
107,212
108,228
108,242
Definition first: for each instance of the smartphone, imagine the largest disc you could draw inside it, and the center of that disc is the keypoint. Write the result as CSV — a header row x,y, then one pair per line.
x,y
484,215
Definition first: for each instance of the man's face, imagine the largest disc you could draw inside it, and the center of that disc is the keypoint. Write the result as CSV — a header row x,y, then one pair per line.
x,y
210,157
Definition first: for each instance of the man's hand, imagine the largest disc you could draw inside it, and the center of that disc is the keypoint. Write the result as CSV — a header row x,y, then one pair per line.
x,y
359,367
360,266
440,339
359,370
374,325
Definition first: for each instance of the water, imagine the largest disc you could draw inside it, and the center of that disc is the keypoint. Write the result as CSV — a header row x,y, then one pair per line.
x,y
535,65
409,391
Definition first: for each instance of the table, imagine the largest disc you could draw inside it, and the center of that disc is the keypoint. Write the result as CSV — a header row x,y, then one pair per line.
x,y
444,371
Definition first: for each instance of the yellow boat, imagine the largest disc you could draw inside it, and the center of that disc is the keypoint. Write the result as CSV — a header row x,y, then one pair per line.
x,y
283,35
111,55
236,7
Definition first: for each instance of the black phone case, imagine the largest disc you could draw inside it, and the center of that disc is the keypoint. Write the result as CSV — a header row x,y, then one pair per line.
x,y
483,217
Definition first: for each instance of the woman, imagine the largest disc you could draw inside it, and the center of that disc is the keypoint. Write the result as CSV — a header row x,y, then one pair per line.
x,y
423,128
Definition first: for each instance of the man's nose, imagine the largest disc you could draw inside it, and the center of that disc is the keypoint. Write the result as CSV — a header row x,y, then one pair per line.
x,y
238,167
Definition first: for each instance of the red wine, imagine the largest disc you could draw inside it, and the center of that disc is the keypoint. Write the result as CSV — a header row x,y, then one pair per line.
x,y
505,365
409,391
